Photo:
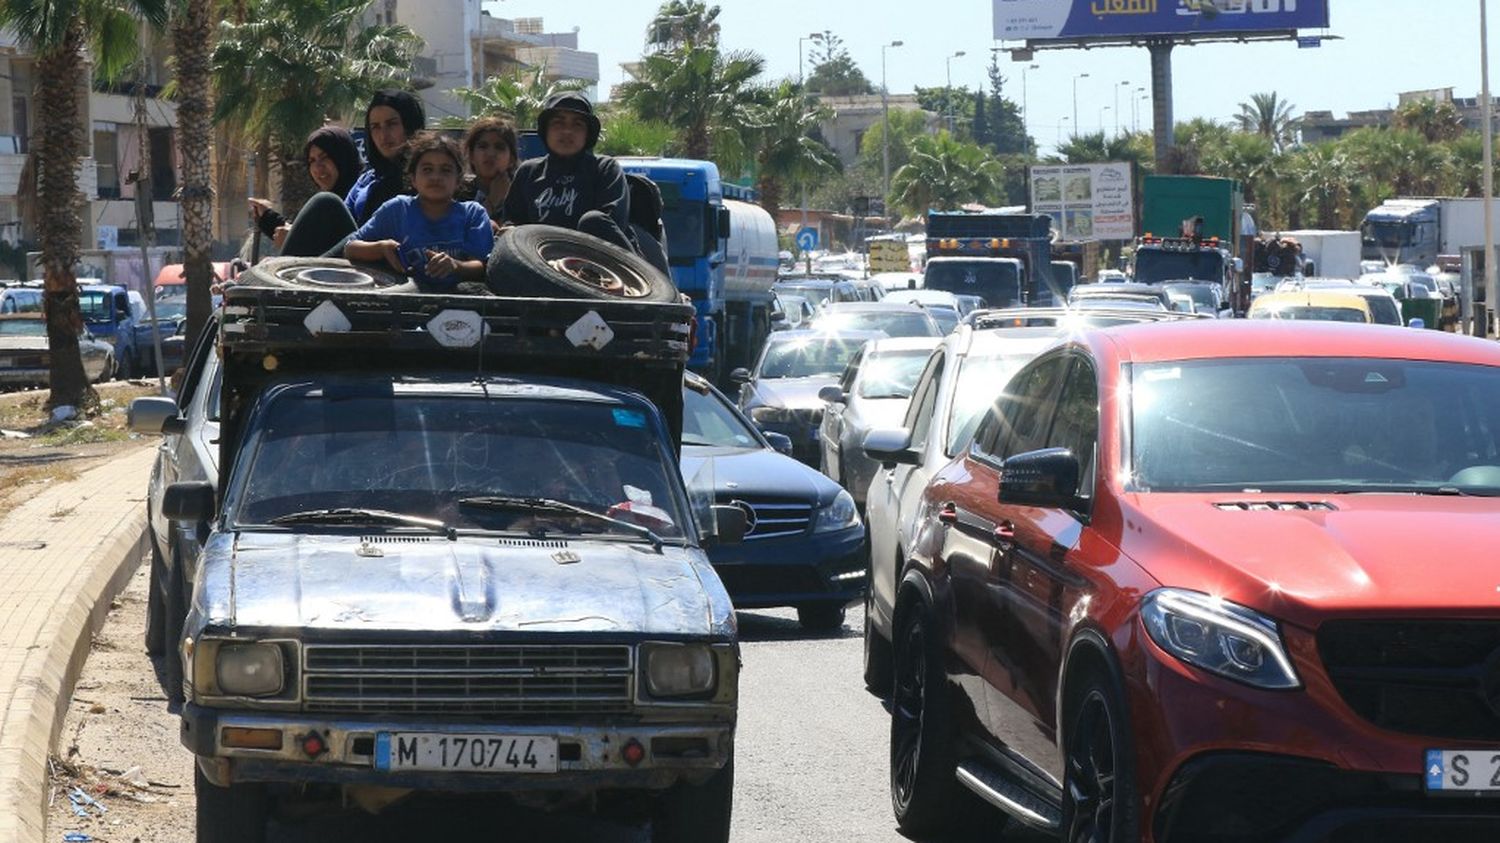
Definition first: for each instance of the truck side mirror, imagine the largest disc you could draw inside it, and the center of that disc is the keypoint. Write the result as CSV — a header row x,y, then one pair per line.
x,y
153,415
723,223
191,501
1239,265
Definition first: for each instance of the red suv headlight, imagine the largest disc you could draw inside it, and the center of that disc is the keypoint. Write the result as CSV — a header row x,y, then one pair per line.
x,y
1223,638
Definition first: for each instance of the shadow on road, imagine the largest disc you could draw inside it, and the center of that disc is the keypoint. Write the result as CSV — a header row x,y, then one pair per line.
x,y
755,626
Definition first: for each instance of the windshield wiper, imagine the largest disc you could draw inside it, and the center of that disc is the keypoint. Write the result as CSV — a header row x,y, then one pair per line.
x,y
356,515
551,505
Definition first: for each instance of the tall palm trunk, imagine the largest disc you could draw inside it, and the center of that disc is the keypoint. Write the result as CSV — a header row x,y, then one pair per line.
x,y
60,224
192,43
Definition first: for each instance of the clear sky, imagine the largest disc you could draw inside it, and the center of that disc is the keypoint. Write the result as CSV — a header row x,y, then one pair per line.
x,y
1387,46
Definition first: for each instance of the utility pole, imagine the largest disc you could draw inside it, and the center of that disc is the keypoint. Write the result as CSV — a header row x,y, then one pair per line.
x,y
885,130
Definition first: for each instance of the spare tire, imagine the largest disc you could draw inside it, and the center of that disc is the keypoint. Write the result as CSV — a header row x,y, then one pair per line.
x,y
326,274
552,262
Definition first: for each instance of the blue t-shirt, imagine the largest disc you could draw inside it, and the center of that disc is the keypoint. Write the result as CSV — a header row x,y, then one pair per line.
x,y
464,232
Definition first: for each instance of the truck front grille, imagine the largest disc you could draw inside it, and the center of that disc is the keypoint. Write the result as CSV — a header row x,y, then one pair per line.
x,y
469,679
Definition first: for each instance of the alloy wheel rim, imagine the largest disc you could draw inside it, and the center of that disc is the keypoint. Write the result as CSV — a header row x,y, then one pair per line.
x,y
908,707
594,274
1091,773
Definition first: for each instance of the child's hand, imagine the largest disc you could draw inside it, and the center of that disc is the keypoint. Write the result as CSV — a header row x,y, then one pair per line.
x,y
391,251
440,264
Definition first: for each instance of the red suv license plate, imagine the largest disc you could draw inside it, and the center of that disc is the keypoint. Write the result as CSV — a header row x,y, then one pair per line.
x,y
1468,771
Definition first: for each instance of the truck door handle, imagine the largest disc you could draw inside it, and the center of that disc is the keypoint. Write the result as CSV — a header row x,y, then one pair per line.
x,y
948,514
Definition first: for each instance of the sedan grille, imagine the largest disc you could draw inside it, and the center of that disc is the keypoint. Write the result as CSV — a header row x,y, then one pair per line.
x,y
770,518
1437,679
471,679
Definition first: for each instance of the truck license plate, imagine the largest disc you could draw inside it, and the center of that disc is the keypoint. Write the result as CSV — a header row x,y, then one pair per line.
x,y
1463,770
465,753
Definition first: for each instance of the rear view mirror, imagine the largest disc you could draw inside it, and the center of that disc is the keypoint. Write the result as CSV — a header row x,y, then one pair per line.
x,y
190,501
832,394
740,375
890,447
724,225
730,523
153,415
780,442
1047,478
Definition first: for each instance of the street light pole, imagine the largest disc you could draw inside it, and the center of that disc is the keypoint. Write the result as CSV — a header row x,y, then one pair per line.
x,y
1075,98
1059,130
1117,105
1135,109
816,36
948,92
1101,118
1025,133
885,129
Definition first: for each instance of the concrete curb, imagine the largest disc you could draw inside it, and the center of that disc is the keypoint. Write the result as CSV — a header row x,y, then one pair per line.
x,y
48,677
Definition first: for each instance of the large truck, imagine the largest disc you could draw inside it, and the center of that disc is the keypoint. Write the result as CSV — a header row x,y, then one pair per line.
x,y
723,254
1417,230
1004,258
1195,228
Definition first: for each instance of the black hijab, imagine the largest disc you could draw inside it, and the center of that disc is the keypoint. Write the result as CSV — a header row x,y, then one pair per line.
x,y
391,180
338,145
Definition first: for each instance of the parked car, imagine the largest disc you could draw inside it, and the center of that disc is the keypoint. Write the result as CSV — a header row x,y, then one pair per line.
x,y
781,393
1318,305
1176,591
873,392
893,320
804,541
25,359
121,318
16,298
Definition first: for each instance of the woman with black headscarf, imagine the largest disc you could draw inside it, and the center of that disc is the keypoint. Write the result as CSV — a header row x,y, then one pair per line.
x,y
328,220
333,164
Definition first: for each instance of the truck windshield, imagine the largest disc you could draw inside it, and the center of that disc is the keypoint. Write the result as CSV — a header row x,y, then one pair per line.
x,y
1387,234
95,305
998,282
683,219
1315,424
422,456
1153,266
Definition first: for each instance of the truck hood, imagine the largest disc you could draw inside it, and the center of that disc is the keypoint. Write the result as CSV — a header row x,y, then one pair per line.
x,y
1377,553
341,584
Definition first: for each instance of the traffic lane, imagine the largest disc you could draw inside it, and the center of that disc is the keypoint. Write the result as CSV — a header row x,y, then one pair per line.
x,y
813,746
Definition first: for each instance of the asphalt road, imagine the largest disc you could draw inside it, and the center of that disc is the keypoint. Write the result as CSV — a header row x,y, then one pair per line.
x,y
811,755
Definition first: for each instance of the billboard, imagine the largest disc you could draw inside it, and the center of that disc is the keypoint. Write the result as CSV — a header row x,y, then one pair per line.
x,y
1085,201
1022,20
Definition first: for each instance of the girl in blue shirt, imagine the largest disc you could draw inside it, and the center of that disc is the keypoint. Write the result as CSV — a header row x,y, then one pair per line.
x,y
431,236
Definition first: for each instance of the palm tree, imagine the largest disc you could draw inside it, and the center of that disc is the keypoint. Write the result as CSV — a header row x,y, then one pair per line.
x,y
1432,119
683,24
705,94
293,65
784,152
945,173
1268,115
517,95
623,133
192,48
1097,148
58,32
1327,180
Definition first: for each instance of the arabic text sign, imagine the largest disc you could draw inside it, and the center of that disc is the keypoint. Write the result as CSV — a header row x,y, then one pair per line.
x,y
1020,20
1085,201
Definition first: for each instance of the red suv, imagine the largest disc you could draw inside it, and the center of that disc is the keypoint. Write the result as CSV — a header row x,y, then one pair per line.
x,y
1210,581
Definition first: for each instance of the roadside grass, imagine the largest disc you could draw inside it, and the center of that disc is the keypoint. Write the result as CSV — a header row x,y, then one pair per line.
x,y
22,483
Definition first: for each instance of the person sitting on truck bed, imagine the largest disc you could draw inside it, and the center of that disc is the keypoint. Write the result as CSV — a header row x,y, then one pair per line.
x,y
430,236
333,164
570,186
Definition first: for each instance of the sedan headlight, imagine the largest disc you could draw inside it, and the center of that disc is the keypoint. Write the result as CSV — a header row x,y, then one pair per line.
x,y
1220,637
839,515
679,670
244,669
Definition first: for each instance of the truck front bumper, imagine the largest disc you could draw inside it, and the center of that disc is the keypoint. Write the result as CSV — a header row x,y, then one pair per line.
x,y
590,756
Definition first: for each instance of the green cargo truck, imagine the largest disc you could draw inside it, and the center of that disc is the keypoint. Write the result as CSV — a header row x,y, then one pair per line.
x,y
1191,228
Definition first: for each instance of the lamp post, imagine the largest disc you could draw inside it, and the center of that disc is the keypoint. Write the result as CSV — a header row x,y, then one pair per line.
x,y
1059,130
1117,104
948,92
1135,109
1075,98
1101,118
816,36
885,129
1025,135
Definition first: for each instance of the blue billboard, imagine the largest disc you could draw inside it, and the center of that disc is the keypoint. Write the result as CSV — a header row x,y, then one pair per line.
x,y
1038,20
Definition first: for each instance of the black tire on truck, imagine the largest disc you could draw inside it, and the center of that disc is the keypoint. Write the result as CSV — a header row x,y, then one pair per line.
x,y
550,262
156,603
696,813
326,274
177,609
233,814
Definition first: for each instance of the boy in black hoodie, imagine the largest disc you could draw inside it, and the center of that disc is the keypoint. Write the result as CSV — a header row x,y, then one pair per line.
x,y
570,186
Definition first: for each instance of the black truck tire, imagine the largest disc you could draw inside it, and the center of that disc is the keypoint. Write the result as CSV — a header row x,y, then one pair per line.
x,y
156,603
551,262
326,274
696,813
176,614
234,814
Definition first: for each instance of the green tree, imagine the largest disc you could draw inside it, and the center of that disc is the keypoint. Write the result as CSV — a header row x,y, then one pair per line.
x,y
683,24
907,124
1325,175
295,64
785,152
1433,119
834,73
518,96
945,173
1004,128
1268,115
60,32
1096,148
952,105
623,133
704,94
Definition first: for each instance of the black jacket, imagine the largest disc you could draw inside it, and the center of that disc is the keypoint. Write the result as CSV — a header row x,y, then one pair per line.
x,y
557,191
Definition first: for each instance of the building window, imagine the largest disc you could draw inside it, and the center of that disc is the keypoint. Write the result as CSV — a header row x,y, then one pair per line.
x,y
107,160
163,171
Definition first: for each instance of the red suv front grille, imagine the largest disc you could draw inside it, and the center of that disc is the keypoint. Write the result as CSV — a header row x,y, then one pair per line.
x,y
1437,679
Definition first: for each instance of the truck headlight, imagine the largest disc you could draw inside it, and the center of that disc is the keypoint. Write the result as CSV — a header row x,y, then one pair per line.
x,y
839,515
679,670
1223,638
248,670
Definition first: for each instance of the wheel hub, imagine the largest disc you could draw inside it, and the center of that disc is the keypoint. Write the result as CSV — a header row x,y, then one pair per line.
x,y
332,276
597,275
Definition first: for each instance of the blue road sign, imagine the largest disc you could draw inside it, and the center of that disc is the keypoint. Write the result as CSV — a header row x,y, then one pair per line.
x,y
807,238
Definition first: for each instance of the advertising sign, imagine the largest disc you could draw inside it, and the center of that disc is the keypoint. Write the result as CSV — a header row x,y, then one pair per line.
x,y
889,256
1022,20
1085,201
